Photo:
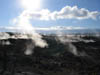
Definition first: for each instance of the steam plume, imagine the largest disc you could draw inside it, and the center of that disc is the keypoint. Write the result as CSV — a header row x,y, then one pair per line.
x,y
69,46
23,23
4,35
29,47
5,43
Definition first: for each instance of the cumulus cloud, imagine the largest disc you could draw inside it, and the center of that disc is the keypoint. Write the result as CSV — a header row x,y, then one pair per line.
x,y
67,12
75,13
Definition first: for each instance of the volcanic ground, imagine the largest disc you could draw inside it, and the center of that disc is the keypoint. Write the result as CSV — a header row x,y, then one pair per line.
x,y
75,56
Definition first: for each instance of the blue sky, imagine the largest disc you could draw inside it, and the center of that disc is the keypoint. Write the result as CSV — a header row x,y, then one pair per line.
x,y
10,9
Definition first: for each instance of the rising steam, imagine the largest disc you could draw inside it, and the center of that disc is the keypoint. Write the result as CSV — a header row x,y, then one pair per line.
x,y
29,47
5,42
4,35
23,24
69,46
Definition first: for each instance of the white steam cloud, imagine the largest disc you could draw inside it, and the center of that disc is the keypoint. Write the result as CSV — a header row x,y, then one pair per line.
x,y
29,47
23,23
5,43
69,46
4,35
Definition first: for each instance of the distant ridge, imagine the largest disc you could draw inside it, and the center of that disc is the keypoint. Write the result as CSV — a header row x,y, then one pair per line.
x,y
55,31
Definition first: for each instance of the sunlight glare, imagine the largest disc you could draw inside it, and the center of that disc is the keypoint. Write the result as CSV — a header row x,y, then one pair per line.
x,y
31,4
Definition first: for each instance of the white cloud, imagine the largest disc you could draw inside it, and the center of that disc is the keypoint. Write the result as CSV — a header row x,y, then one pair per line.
x,y
75,13
67,12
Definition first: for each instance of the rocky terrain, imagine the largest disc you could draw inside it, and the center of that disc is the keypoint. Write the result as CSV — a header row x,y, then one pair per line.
x,y
65,55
